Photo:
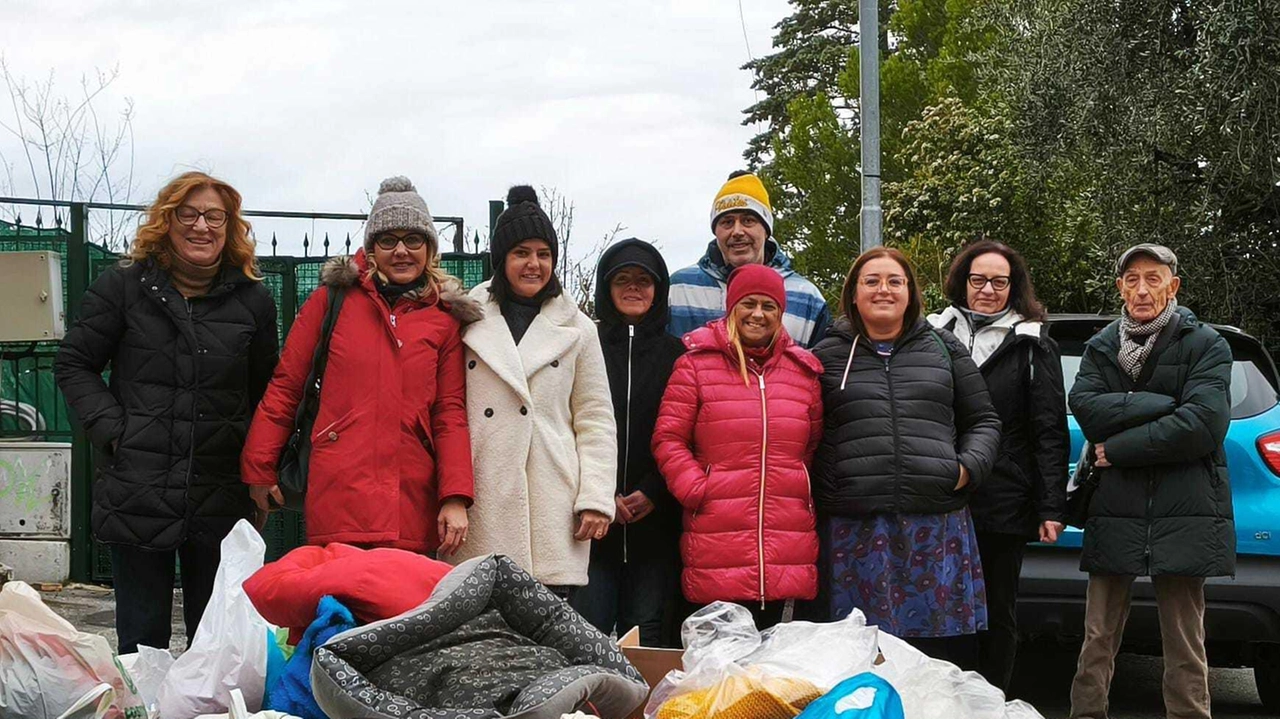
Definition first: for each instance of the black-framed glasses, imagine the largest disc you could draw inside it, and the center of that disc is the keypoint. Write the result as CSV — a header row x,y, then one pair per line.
x,y
388,241
189,216
999,283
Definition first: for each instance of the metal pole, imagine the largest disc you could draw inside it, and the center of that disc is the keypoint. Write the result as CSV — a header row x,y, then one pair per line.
x,y
869,76
78,270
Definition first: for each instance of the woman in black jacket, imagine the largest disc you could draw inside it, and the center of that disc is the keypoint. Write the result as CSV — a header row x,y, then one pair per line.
x,y
189,332
995,314
909,432
635,569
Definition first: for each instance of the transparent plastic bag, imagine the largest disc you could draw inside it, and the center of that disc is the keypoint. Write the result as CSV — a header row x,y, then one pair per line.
x,y
933,688
734,671
148,667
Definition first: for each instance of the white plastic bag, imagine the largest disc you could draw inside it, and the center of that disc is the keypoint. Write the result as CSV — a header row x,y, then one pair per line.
x,y
729,664
148,667
48,668
229,650
237,710
933,688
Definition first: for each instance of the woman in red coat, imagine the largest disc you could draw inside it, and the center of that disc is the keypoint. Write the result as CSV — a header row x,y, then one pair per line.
x,y
739,423
390,462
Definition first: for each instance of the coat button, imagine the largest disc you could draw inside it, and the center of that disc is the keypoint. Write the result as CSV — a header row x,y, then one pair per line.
x,y
333,436
154,288
555,363
488,412
471,364
203,350
524,410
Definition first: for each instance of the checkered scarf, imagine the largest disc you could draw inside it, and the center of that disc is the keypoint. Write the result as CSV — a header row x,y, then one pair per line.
x,y
1137,340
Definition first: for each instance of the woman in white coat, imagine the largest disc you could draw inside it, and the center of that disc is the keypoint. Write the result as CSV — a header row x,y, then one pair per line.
x,y
543,438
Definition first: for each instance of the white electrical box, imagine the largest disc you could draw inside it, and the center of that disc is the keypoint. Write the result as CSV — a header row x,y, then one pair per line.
x,y
31,297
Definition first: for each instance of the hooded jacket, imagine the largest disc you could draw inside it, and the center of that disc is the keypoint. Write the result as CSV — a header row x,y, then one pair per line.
x,y
898,428
736,455
1023,372
390,441
639,359
698,296
1164,504
185,378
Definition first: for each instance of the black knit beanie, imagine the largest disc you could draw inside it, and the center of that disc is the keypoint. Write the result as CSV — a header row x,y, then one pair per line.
x,y
522,220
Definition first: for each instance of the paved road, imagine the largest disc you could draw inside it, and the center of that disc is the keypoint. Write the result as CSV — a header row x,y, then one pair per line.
x,y
1044,679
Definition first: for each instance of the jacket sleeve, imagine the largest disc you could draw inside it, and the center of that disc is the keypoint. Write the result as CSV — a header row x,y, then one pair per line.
x,y
673,436
1051,438
594,427
264,351
1102,411
821,324
273,422
1195,428
977,422
815,421
84,353
449,429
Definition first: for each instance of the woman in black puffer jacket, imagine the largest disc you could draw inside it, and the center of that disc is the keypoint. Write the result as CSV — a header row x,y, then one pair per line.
x,y
189,332
635,569
995,314
910,431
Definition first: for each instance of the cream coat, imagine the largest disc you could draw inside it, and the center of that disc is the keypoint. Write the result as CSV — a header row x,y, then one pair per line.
x,y
543,439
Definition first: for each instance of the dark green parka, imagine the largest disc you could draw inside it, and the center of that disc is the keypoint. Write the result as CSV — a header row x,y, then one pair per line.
x,y
1164,506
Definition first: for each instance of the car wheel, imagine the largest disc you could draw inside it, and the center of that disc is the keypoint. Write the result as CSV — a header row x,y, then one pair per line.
x,y
1266,675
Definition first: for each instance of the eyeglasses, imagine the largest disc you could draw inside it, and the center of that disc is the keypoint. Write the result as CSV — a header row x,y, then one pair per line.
x,y
894,283
411,242
999,284
189,216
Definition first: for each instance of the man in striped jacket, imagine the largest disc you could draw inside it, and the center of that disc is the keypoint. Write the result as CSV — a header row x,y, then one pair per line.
x,y
742,220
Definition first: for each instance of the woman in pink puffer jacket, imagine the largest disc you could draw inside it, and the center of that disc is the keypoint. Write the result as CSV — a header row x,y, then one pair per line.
x,y
740,420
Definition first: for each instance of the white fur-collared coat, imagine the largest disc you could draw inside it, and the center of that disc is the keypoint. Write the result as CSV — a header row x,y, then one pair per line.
x,y
543,438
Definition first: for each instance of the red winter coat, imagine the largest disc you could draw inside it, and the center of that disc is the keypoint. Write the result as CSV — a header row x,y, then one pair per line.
x,y
735,455
391,440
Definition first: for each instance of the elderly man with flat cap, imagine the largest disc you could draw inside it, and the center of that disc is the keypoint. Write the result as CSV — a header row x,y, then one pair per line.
x,y
1153,399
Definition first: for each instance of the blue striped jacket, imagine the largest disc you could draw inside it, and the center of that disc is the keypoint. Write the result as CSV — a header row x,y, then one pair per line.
x,y
697,296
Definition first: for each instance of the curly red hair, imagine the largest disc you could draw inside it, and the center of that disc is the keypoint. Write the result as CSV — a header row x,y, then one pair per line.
x,y
152,239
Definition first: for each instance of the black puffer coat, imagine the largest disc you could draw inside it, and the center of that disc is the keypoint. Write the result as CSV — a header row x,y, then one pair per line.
x,y
897,430
1164,506
639,366
186,376
1024,376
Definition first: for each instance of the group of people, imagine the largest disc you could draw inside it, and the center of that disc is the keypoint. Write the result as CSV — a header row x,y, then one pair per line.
x,y
711,435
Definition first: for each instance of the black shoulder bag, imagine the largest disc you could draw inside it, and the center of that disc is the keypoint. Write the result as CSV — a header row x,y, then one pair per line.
x,y
1086,477
295,457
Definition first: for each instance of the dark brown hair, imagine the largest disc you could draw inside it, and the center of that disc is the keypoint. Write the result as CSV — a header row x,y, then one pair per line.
x,y
1022,294
849,293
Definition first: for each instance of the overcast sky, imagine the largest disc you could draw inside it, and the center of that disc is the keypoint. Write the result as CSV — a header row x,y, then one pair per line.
x,y
632,110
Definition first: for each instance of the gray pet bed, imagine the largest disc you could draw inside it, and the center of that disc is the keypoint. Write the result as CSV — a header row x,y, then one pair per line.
x,y
490,642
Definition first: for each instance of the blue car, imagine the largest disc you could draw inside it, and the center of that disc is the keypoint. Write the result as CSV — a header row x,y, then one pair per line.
x,y
1242,616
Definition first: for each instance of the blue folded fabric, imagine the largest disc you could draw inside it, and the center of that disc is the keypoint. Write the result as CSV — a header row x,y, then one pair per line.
x,y
885,702
291,694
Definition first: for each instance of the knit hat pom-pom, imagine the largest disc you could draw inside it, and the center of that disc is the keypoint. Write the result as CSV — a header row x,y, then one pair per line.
x,y
399,183
522,193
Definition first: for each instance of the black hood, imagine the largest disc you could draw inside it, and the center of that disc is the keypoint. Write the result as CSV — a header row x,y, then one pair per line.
x,y
636,252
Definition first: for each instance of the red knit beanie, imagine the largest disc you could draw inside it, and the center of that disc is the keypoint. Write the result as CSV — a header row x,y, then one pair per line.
x,y
755,280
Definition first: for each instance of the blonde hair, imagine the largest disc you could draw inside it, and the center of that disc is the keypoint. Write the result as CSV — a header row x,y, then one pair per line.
x,y
435,274
152,239
735,341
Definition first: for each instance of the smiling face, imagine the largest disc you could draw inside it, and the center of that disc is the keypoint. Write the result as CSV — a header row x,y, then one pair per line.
x,y
401,255
740,235
528,267
199,244
883,293
758,318
985,272
1147,287
631,290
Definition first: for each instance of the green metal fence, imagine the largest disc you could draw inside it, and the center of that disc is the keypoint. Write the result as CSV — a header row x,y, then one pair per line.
x,y
26,369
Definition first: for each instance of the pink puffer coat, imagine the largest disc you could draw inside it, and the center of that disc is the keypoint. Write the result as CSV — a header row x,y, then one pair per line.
x,y
736,457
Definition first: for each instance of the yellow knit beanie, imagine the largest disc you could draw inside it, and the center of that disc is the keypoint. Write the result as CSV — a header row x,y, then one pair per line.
x,y
743,191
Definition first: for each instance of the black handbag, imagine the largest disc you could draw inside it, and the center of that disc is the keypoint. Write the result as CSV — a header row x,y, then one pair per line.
x,y
1081,487
294,458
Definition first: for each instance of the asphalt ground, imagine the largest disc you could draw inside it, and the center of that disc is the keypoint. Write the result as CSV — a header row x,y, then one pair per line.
x,y
1043,677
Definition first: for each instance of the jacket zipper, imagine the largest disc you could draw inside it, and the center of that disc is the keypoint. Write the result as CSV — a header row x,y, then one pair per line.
x,y
195,399
897,450
626,449
764,448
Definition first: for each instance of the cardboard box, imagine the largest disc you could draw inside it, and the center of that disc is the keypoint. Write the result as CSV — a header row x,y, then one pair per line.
x,y
652,663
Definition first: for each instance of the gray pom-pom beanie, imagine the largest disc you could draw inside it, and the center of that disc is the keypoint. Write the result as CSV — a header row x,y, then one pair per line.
x,y
399,207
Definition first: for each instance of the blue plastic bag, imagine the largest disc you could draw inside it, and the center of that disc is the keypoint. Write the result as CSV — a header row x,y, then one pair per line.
x,y
865,696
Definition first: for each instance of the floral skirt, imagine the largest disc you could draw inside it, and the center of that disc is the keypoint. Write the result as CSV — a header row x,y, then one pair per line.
x,y
912,575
